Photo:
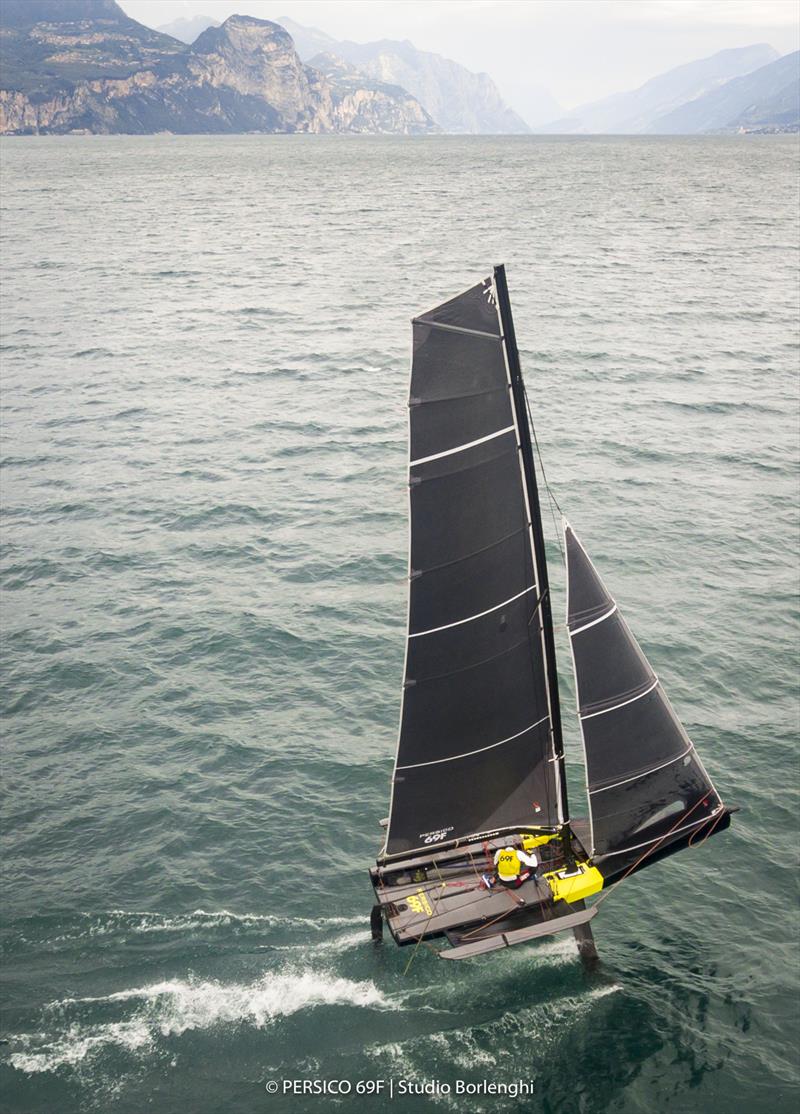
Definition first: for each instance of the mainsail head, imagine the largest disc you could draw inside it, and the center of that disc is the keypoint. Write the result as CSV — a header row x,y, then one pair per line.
x,y
647,786
476,751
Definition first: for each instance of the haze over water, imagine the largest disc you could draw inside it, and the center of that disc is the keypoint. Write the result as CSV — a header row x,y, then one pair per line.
x,y
205,351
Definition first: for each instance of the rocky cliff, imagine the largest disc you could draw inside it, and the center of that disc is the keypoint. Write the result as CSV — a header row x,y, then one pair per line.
x,y
459,100
84,66
362,105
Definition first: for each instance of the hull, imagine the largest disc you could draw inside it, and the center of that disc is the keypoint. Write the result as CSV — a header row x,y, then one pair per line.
x,y
423,899
443,897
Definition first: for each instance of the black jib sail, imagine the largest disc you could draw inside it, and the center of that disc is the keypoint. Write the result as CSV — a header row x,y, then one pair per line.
x,y
647,786
476,751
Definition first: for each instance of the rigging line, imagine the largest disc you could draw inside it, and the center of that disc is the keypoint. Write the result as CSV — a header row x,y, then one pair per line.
x,y
419,940
650,850
709,833
474,867
435,896
494,920
551,497
532,641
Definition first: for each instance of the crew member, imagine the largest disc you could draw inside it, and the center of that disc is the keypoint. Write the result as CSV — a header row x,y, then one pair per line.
x,y
513,866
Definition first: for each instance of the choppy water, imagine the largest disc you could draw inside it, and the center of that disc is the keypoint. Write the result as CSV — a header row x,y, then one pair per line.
x,y
206,346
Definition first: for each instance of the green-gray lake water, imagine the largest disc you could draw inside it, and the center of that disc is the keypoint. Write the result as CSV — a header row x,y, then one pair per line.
x,y
205,356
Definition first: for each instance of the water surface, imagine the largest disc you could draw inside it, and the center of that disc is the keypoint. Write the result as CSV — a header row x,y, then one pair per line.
x,y
205,356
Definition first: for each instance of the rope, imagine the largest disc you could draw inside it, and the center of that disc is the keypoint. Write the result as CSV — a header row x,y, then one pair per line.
x,y
416,947
556,534
499,917
655,847
710,831
551,497
434,907
420,940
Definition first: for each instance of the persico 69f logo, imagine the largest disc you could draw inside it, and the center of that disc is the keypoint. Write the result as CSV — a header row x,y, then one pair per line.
x,y
419,903
435,837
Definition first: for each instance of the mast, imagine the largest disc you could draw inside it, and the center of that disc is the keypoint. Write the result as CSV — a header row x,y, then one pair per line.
x,y
537,533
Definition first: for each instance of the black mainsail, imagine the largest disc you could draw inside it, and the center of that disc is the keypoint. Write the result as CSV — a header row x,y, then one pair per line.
x,y
479,747
647,786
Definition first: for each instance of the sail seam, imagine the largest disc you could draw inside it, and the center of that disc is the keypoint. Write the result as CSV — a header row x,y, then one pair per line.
x,y
644,773
462,448
474,553
480,750
470,618
594,622
603,711
414,401
472,665
655,839
455,329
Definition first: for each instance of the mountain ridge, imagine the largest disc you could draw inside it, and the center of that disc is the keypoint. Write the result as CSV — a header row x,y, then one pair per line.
x,y
765,99
633,112
188,28
459,100
103,72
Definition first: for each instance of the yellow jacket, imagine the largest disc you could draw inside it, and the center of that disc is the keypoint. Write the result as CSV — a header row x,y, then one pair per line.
x,y
510,863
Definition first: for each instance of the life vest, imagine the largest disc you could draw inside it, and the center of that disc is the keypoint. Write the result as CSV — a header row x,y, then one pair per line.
x,y
509,865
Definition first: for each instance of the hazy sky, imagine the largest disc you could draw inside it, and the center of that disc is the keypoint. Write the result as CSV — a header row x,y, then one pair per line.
x,y
579,49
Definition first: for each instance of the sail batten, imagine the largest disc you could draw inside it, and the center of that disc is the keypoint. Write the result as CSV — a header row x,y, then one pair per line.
x,y
643,775
461,448
640,773
621,704
479,750
476,739
479,615
594,622
455,329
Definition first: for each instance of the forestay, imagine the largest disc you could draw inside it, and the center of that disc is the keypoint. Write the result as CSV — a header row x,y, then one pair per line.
x,y
475,752
646,784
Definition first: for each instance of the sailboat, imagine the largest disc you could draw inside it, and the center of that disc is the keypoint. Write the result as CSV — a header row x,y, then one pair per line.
x,y
480,755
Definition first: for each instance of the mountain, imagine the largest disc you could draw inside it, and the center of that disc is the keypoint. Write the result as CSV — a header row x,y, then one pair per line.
x,y
457,99
766,100
779,113
46,46
364,102
309,41
187,29
83,65
635,112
